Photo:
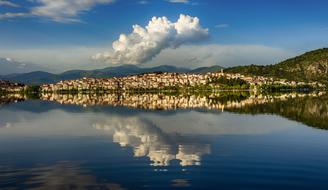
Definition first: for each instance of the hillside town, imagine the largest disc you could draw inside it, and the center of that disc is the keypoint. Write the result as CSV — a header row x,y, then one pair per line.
x,y
163,81
157,81
6,86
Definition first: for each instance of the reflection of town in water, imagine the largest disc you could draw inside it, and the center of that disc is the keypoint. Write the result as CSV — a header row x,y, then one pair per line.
x,y
310,108
10,98
218,101
148,140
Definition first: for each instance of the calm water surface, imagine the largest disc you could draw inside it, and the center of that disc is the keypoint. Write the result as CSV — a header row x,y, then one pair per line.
x,y
276,144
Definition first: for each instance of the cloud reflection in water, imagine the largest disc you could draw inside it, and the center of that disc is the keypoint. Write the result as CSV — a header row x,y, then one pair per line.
x,y
148,140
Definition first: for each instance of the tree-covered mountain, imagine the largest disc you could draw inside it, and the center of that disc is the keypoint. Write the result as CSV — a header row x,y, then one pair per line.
x,y
214,68
310,66
40,77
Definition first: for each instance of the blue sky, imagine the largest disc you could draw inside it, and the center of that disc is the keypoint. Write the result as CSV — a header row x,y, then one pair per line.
x,y
288,27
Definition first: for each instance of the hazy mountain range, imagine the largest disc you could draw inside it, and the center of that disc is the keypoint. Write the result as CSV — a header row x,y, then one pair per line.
x,y
8,66
40,77
310,66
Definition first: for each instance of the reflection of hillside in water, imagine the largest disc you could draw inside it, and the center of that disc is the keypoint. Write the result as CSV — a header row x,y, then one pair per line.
x,y
308,108
219,101
148,140
11,98
311,110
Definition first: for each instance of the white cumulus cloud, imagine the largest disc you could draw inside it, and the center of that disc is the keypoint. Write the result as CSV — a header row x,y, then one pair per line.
x,y
12,15
64,11
8,3
145,43
178,1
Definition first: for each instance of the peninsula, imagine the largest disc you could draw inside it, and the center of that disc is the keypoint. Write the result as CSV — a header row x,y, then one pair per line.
x,y
293,74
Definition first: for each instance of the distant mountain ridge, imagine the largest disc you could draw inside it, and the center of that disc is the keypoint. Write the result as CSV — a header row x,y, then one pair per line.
x,y
40,77
308,67
8,65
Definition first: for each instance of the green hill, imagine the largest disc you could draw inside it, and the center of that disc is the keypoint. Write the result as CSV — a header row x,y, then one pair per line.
x,y
308,67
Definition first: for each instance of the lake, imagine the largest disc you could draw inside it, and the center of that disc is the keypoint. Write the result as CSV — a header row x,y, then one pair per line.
x,y
227,140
